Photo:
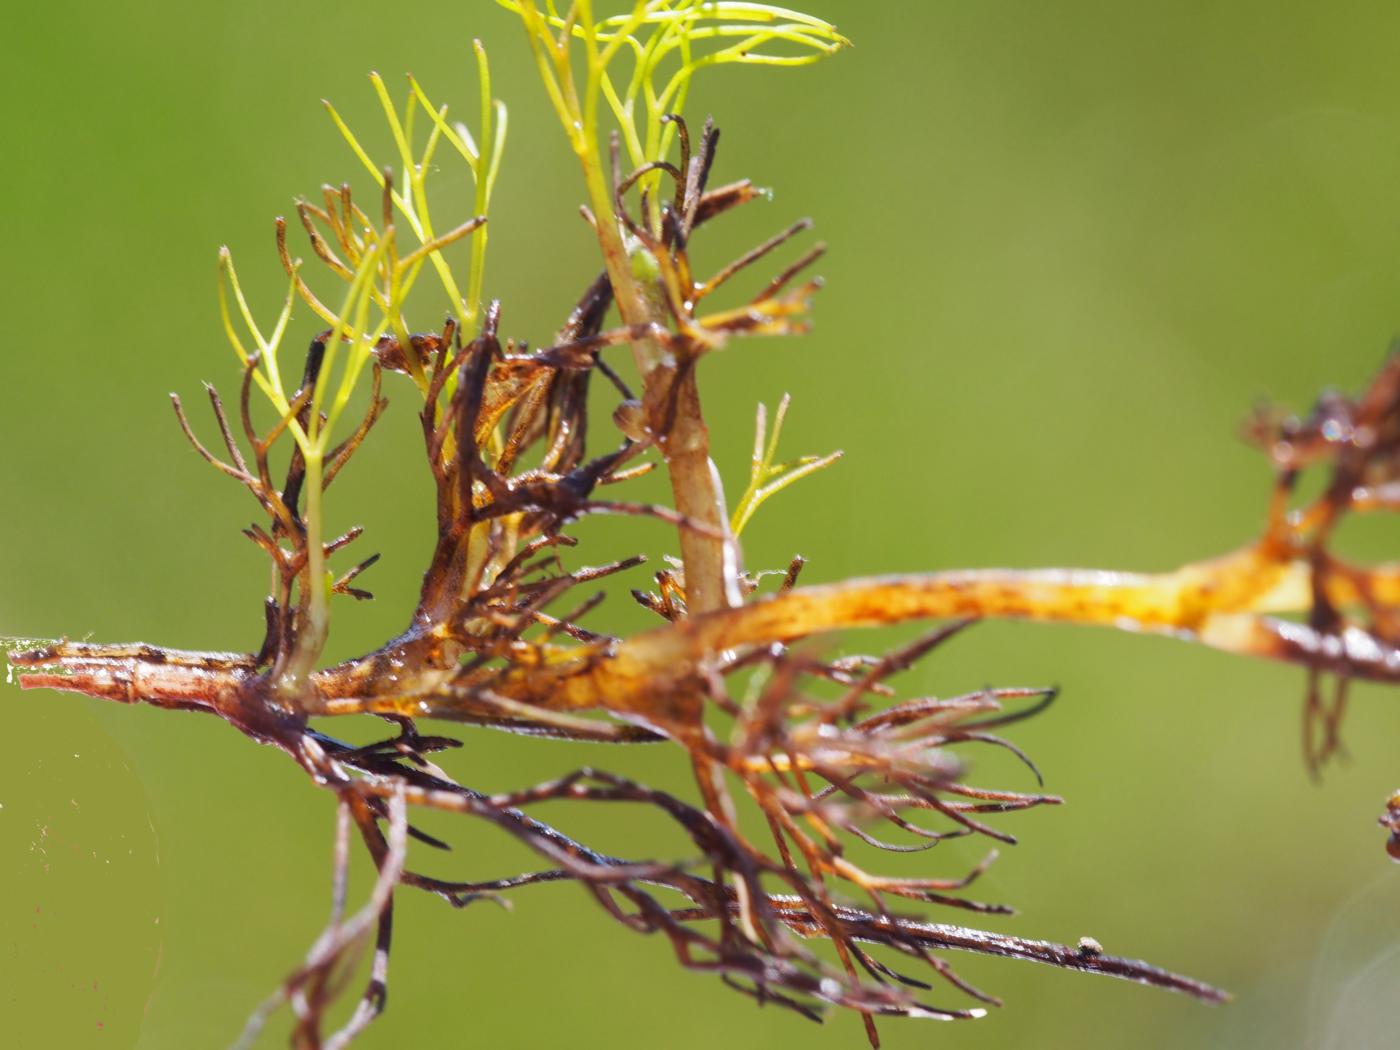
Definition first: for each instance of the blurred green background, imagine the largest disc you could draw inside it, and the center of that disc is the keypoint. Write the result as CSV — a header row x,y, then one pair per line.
x,y
1071,244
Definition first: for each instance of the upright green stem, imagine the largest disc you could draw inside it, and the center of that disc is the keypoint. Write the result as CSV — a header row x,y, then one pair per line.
x,y
672,397
314,613
668,383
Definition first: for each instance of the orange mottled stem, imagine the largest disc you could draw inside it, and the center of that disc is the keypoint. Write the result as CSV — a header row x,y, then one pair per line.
x,y
652,676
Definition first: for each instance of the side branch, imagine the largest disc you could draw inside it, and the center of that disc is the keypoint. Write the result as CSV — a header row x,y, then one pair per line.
x,y
1220,603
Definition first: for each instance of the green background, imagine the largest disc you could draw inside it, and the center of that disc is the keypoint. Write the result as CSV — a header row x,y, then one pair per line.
x,y
1071,244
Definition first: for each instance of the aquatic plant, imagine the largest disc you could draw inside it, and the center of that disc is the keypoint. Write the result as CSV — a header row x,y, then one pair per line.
x,y
800,758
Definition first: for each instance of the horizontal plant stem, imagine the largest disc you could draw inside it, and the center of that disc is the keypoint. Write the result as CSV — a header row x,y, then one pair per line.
x,y
1218,603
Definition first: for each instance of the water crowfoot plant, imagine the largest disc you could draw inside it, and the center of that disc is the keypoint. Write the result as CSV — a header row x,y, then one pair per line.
x,y
797,755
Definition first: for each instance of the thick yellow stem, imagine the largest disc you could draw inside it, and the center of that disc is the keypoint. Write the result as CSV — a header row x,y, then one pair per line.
x,y
652,675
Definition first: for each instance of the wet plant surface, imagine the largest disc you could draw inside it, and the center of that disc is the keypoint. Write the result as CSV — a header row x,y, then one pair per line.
x,y
799,757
